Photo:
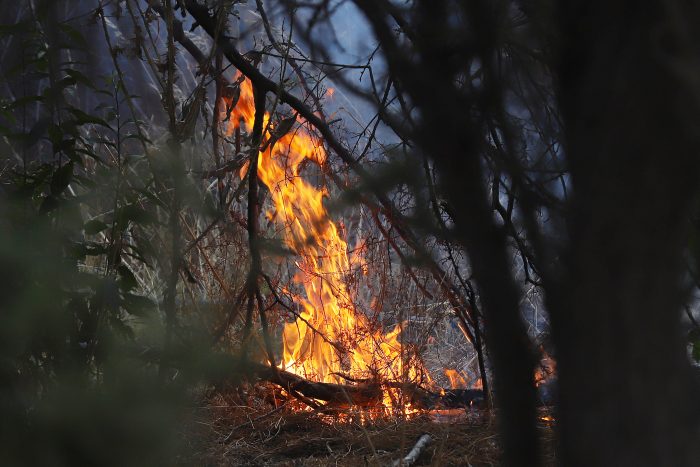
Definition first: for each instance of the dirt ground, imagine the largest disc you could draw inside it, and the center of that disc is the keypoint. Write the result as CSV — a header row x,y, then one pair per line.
x,y
225,432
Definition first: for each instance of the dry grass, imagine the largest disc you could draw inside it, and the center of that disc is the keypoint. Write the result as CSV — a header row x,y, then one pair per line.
x,y
226,431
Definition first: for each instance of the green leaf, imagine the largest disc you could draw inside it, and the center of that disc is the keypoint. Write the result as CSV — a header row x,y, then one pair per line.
x,y
66,82
137,215
135,252
94,226
22,101
66,146
16,28
121,328
80,250
127,279
78,77
138,137
694,340
137,305
61,178
48,204
37,131
55,135
82,118
75,35
86,182
88,153
153,197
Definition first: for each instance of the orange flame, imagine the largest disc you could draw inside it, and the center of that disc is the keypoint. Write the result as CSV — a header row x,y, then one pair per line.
x,y
457,381
332,341
546,368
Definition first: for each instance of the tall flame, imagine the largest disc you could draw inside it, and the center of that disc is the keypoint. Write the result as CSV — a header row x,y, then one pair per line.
x,y
331,340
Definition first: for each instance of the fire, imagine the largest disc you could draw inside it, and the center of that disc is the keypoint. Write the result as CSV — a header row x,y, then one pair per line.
x,y
546,368
457,381
331,341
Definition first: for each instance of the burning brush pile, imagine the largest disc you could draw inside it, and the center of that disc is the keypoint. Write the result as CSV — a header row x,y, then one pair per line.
x,y
334,356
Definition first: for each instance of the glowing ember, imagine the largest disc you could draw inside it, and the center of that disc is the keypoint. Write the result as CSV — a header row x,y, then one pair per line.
x,y
332,341
545,370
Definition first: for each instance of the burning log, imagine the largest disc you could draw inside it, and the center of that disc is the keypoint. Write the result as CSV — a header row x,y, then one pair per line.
x,y
362,394
367,393
462,398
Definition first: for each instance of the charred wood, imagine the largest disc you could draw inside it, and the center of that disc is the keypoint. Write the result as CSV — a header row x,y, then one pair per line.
x,y
367,393
361,394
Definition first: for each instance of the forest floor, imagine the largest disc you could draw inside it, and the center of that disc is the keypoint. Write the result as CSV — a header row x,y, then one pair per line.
x,y
225,432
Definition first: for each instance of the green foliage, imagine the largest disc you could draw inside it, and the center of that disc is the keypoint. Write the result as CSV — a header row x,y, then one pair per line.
x,y
82,379
69,387
694,339
693,262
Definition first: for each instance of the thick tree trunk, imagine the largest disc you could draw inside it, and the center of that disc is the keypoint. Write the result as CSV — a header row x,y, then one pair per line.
x,y
452,137
627,392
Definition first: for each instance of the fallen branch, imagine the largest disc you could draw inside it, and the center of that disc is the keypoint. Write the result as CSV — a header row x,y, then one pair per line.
x,y
361,394
365,392
412,456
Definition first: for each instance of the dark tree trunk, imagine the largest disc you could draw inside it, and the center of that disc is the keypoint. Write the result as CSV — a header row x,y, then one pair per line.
x,y
452,136
627,392
509,347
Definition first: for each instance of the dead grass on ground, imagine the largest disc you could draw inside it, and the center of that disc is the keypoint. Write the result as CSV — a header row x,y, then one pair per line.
x,y
228,431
